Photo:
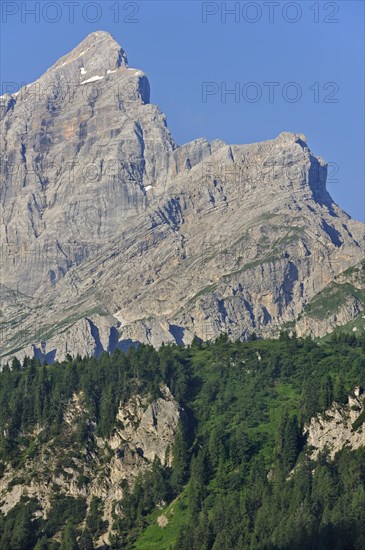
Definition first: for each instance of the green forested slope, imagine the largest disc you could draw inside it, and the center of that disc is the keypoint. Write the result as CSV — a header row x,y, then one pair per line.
x,y
232,483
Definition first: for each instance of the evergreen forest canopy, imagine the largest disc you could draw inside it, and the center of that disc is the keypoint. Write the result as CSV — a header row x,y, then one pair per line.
x,y
242,476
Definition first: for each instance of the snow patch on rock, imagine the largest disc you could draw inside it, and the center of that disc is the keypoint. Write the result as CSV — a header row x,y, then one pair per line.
x,y
92,79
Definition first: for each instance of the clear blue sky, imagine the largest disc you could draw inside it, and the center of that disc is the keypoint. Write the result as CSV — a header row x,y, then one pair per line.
x,y
180,46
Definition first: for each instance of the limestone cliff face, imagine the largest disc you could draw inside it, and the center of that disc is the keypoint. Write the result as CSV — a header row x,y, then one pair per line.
x,y
339,427
111,233
339,303
145,430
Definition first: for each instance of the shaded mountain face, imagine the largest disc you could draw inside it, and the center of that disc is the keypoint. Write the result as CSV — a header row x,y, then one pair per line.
x,y
113,234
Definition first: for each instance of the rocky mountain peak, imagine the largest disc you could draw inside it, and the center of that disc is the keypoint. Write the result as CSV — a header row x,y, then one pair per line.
x,y
97,53
113,234
292,137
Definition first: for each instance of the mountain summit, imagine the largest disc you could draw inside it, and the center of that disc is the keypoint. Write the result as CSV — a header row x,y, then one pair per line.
x,y
112,234
99,51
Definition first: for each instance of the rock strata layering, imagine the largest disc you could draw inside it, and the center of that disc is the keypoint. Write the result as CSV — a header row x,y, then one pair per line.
x,y
112,234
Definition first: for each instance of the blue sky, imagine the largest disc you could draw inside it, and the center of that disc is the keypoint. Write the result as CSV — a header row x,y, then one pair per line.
x,y
312,51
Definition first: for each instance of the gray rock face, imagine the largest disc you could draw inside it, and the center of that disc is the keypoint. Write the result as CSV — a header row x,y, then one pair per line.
x,y
111,233
334,430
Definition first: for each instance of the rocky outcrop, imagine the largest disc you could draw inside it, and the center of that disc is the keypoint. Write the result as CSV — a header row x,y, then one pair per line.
x,y
111,233
338,304
145,430
148,427
338,427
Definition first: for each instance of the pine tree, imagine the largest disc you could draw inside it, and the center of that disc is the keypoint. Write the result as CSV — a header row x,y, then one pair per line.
x,y
289,441
23,530
15,364
107,412
86,540
159,490
326,394
310,402
42,544
69,539
339,392
180,460
196,487
94,521
203,536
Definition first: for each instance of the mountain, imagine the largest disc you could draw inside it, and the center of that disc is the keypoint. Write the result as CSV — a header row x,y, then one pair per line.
x,y
113,234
